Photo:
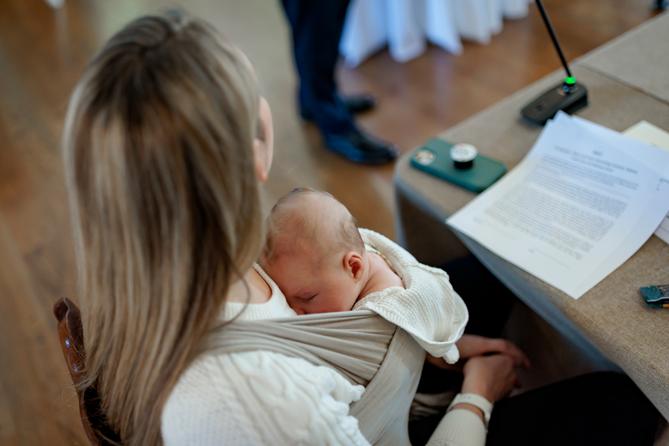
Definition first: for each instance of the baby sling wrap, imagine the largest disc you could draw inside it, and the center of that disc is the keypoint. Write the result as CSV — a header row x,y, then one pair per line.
x,y
364,347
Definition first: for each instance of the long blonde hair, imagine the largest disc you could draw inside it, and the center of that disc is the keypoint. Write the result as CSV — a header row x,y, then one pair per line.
x,y
165,206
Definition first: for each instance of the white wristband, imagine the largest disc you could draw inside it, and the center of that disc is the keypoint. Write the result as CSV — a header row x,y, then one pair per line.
x,y
474,400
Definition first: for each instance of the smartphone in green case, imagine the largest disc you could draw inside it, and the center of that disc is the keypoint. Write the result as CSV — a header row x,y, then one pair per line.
x,y
435,158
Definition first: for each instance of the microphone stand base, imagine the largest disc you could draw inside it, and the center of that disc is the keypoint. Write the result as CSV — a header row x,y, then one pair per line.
x,y
568,98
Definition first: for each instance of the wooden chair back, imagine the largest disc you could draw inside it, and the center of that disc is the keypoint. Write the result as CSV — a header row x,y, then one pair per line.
x,y
70,333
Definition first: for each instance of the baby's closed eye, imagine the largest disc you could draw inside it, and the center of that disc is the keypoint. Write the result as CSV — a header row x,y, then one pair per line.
x,y
307,297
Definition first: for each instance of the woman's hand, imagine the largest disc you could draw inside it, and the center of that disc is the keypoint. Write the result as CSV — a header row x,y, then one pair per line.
x,y
472,345
492,377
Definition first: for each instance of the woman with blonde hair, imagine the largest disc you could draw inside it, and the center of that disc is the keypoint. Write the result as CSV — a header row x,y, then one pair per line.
x,y
166,143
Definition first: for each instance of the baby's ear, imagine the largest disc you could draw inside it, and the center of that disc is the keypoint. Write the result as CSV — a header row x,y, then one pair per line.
x,y
353,264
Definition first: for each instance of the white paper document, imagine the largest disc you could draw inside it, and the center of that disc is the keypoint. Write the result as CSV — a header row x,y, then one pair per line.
x,y
583,200
647,132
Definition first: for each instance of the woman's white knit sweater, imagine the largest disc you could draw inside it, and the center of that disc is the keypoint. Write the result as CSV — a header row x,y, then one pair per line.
x,y
259,397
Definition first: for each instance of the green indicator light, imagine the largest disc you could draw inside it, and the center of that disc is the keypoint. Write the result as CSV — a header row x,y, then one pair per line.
x,y
570,80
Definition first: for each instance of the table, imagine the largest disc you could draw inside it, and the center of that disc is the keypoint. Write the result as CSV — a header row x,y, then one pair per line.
x,y
628,81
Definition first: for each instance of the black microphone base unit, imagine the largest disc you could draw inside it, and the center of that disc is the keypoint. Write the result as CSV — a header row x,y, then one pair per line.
x,y
568,97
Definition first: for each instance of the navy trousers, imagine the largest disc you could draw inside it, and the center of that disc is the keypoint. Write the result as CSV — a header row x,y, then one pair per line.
x,y
316,31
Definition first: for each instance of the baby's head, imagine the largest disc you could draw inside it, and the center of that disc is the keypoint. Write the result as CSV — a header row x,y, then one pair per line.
x,y
314,252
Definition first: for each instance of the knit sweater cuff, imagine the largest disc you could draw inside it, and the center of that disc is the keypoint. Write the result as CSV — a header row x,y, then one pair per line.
x,y
459,427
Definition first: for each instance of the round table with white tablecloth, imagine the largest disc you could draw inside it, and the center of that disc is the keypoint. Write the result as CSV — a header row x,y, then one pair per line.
x,y
406,25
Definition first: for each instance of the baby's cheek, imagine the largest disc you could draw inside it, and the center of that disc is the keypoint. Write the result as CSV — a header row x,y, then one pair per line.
x,y
296,308
314,307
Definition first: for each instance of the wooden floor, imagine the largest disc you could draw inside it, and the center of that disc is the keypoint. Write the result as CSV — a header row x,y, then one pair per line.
x,y
42,53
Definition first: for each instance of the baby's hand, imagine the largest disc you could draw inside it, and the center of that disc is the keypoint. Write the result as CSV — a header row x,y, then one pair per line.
x,y
442,364
472,345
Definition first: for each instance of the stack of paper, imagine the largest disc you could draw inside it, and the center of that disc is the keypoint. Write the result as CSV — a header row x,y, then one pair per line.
x,y
583,200
647,132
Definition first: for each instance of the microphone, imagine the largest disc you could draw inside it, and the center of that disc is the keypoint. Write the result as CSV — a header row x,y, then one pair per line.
x,y
567,96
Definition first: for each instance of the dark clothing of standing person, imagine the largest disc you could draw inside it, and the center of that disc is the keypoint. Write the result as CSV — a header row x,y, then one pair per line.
x,y
601,408
316,31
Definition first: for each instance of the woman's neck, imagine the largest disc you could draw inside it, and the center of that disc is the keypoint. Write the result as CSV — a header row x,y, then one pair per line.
x,y
259,290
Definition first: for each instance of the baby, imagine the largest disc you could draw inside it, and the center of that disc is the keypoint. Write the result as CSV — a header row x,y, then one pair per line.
x,y
322,262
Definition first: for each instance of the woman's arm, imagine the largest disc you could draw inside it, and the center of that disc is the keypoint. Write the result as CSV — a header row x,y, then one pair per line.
x,y
261,398
472,345
459,427
491,377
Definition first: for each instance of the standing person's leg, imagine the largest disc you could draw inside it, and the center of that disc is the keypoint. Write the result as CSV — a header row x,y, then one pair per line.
x,y
316,30
598,408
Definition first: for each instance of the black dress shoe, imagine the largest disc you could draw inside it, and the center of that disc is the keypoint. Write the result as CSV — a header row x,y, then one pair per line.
x,y
354,104
360,147
359,103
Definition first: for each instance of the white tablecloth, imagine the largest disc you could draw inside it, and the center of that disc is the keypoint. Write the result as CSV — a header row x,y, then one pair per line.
x,y
405,25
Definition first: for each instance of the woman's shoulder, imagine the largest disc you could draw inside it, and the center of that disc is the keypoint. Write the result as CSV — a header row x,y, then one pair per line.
x,y
256,398
276,305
